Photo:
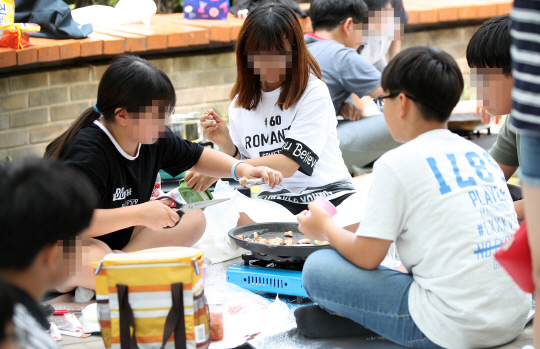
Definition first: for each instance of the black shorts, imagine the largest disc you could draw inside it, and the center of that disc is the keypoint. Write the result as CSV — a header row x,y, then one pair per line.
x,y
295,208
117,240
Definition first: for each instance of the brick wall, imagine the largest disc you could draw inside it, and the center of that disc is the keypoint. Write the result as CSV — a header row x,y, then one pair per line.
x,y
35,108
454,41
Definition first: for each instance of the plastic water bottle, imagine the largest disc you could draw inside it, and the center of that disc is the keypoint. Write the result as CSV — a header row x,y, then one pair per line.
x,y
157,188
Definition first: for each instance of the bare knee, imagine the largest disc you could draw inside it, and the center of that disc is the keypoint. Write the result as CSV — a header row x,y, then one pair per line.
x,y
80,268
244,220
199,223
192,229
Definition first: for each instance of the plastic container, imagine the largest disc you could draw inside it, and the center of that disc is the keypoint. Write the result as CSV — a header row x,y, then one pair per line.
x,y
156,192
190,196
216,321
206,263
255,191
187,126
324,204
215,9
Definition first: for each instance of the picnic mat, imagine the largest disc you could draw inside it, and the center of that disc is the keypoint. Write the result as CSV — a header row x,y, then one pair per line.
x,y
288,338
67,302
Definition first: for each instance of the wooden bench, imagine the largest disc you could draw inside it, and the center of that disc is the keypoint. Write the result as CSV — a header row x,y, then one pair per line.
x,y
171,32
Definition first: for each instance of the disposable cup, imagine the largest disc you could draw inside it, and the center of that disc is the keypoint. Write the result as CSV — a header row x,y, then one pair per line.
x,y
206,263
324,204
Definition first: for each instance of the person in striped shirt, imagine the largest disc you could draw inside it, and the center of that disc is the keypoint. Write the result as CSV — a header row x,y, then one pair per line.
x,y
44,205
525,52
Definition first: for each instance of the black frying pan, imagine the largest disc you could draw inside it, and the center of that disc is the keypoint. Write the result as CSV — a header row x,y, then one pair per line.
x,y
274,230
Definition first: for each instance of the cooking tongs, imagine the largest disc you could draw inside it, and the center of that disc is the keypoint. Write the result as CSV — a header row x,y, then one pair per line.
x,y
183,208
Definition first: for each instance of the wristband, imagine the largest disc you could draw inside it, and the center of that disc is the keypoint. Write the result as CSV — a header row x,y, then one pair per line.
x,y
233,169
236,153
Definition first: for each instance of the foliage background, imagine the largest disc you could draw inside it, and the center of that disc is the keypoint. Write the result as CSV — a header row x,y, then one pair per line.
x,y
163,6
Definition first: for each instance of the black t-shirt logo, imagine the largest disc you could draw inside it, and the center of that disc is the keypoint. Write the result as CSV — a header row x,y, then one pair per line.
x,y
121,194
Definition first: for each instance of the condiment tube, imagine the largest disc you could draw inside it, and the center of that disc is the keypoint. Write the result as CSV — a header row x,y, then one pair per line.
x,y
77,326
74,334
55,332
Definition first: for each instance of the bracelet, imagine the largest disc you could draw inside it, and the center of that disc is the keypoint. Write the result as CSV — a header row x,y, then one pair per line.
x,y
233,169
236,152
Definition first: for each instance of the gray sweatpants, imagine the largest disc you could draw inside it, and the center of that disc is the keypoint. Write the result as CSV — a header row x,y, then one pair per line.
x,y
364,141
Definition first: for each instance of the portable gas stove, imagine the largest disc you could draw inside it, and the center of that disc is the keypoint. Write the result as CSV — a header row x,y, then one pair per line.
x,y
271,268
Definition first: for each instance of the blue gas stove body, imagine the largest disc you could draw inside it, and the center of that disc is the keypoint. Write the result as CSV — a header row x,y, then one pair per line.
x,y
269,280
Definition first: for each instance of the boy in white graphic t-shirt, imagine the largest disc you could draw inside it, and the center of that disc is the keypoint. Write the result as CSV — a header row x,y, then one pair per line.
x,y
445,203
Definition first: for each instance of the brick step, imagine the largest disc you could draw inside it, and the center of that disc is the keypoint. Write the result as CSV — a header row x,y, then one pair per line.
x,y
172,31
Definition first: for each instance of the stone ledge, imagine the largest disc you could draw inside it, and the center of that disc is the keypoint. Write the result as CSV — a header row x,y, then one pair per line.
x,y
172,33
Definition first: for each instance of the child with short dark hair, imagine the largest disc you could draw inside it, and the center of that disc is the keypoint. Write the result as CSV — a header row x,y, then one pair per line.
x,y
379,34
488,56
43,203
444,202
336,36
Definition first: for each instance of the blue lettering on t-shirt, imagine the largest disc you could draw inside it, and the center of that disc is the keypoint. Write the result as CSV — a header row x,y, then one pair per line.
x,y
475,161
481,171
469,182
444,188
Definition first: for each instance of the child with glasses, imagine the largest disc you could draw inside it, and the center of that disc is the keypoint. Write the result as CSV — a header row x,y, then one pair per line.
x,y
445,203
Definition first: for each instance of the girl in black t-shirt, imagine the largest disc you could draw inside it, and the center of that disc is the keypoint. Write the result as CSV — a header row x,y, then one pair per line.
x,y
120,144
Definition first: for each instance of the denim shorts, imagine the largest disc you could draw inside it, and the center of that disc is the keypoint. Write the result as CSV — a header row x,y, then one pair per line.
x,y
529,170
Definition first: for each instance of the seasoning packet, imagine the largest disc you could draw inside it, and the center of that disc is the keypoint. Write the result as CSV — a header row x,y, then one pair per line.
x,y
74,322
55,332
74,334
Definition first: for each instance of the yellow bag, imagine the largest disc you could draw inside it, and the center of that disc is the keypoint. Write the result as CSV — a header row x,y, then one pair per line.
x,y
142,296
7,12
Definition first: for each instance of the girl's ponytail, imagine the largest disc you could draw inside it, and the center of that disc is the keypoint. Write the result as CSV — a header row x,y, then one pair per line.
x,y
56,147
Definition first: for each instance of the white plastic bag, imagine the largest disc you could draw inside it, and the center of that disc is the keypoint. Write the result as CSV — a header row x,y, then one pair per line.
x,y
247,315
125,12
220,219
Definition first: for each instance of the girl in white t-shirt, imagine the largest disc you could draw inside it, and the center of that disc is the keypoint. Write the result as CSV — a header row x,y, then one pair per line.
x,y
281,115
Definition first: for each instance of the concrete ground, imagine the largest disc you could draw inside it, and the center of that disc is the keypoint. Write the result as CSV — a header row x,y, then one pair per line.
x,y
216,274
